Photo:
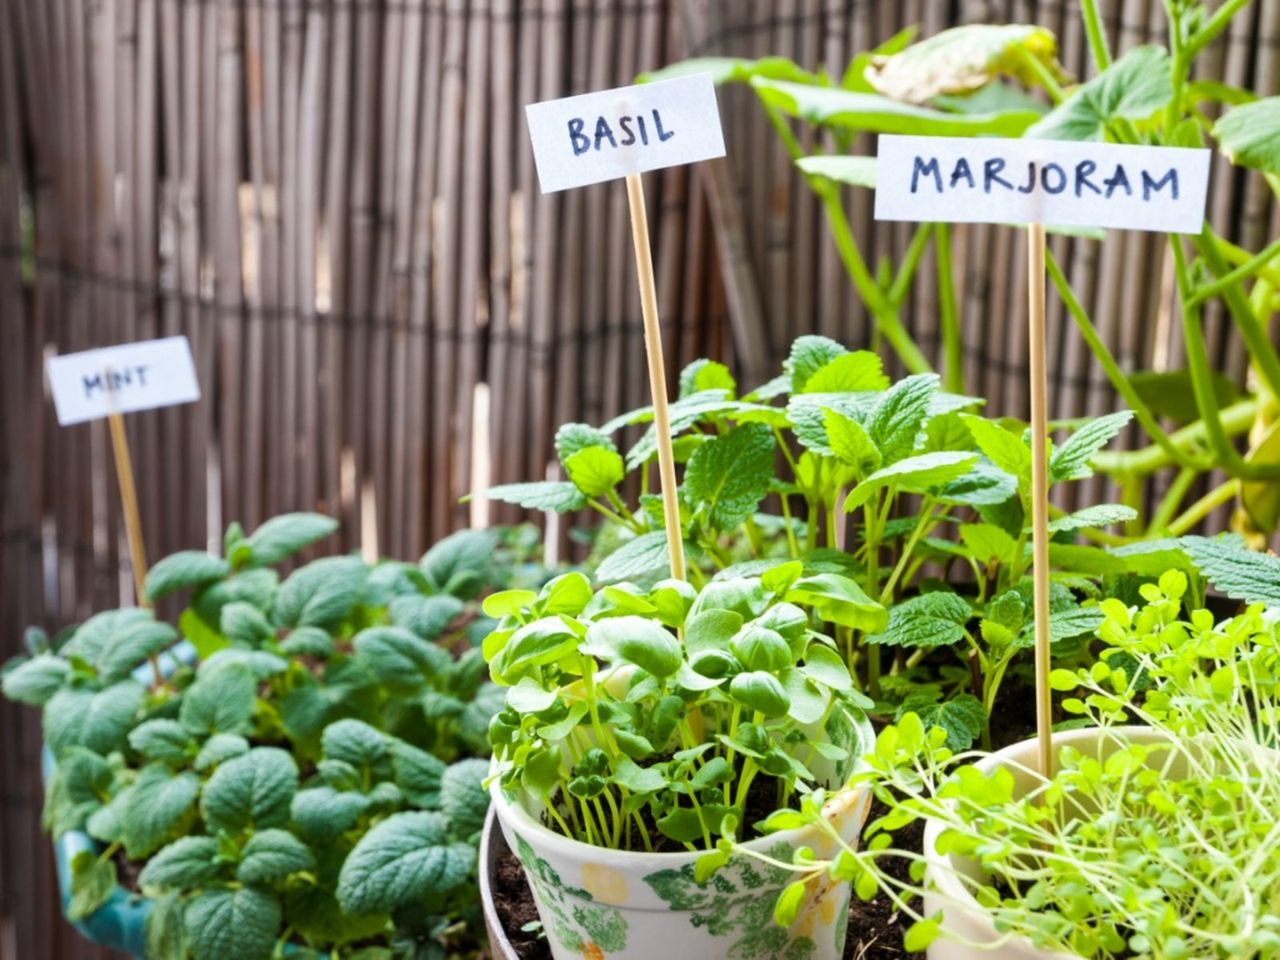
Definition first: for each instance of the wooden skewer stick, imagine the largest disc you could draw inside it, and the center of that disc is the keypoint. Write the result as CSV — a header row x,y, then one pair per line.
x,y
1039,490
657,373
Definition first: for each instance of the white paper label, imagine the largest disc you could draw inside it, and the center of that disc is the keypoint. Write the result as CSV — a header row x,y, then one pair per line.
x,y
962,180
611,133
132,376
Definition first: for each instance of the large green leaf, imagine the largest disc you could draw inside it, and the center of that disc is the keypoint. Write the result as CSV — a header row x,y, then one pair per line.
x,y
160,801
913,475
928,620
272,855
253,791
461,563
1236,570
96,720
595,470
878,114
406,859
838,599
36,680
1132,88
1071,460
117,641
320,594
852,171
282,536
1249,134
185,864
962,716
221,700
645,556
224,923
729,475
463,798
1098,515
188,568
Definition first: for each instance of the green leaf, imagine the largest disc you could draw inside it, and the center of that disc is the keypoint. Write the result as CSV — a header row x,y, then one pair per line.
x,y
92,883
729,475
188,568
730,69
35,681
81,782
641,558
853,171
219,748
224,923
988,544
913,475
400,659
559,496
1002,447
962,716
220,701
921,934
645,643
253,791
898,419
1261,498
856,372
461,564
323,813
320,594
1132,88
850,443
595,470
1170,393
98,721
574,437
1099,515
364,747
186,864
463,798
809,354
117,641
160,801
829,106
272,855
254,587
245,625
1071,460
928,620
1238,572
417,773
164,740
403,860
281,537
985,485
838,599
1249,134
788,903
706,374
761,692
166,936
426,616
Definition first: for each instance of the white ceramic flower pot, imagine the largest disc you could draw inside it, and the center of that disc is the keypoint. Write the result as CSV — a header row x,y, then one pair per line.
x,y
597,903
963,919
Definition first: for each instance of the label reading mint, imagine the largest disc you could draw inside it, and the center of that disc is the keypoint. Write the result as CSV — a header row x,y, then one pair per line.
x,y
1065,183
611,133
121,379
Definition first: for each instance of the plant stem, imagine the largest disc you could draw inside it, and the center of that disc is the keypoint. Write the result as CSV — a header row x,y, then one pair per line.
x,y
1093,28
1203,507
948,314
1213,26
910,262
1171,499
1255,335
1235,419
1042,74
1242,272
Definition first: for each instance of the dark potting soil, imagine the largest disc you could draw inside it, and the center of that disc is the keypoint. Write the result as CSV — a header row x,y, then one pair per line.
x,y
875,927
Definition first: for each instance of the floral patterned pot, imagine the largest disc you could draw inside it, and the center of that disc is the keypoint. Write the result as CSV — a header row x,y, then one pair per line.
x,y
964,921
597,903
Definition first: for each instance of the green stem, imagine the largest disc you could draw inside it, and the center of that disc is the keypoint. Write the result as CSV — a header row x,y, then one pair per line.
x,y
1172,498
1203,507
1264,355
948,314
1093,29
926,515
1235,419
1042,74
1213,26
1242,272
910,263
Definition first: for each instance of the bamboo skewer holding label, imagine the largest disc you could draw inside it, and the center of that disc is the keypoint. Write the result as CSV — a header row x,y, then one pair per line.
x,y
621,133
1038,182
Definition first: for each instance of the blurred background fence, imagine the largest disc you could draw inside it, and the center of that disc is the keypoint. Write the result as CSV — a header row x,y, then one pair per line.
x,y
335,201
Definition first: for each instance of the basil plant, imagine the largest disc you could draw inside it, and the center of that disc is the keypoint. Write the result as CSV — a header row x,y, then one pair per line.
x,y
670,717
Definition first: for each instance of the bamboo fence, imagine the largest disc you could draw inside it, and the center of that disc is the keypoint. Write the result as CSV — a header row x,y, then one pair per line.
x,y
335,201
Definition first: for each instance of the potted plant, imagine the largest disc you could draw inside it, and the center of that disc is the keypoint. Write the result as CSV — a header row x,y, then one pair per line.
x,y
646,727
1155,836
298,770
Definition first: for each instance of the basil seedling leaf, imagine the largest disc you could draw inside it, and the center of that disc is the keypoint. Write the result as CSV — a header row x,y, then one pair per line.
x,y
634,640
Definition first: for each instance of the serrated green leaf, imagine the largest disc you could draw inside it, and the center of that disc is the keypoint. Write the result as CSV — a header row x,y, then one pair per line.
x,y
400,659
186,864
928,620
985,485
272,855
307,642
160,802
1098,515
323,813
219,748
188,568
1235,570
223,923
417,773
164,740
426,616
913,475
460,564
117,641
729,475
281,537
573,437
35,681
896,423
988,544
850,443
637,559
165,934
595,470
254,587
220,701
406,858
80,784
98,720
359,744
463,798
320,594
253,791
706,374
558,496
1002,447
809,354
1071,460
1132,88
245,625
858,371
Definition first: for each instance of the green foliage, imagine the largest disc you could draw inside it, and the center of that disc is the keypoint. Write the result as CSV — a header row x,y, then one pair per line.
x,y
1131,89
260,787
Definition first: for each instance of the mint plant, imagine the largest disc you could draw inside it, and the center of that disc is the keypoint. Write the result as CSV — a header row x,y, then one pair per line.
x,y
884,484
639,719
1162,847
310,774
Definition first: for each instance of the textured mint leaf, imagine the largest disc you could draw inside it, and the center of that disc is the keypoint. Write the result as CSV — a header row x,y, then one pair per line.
x,y
1071,460
1132,88
426,616
160,803
261,663
1150,558
283,536
417,773
92,883
809,354
116,641
399,658
896,423
254,587
849,441
985,485
913,475
1004,448
962,716
595,470
220,701
272,855
322,813
637,559
165,933
245,625
35,681
1098,515
164,740
574,437
320,594
96,720
1068,624
219,748
362,746
928,620
685,412
80,785
460,564
729,475
406,859
186,864
559,496
705,374
1237,571
463,798
225,923
988,544
855,372
252,791
188,568
307,642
